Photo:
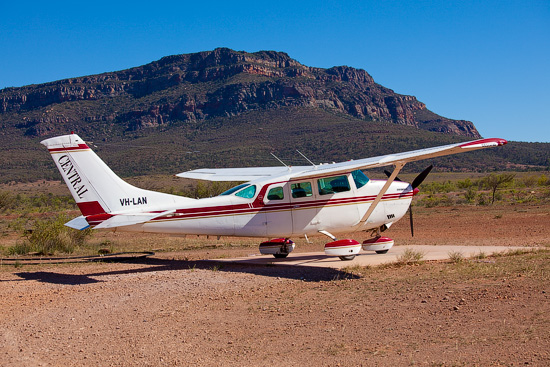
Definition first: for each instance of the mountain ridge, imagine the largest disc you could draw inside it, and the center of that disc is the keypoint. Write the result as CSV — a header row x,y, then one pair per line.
x,y
222,82
225,108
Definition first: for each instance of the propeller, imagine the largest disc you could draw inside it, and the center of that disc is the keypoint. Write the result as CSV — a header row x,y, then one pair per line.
x,y
416,182
421,177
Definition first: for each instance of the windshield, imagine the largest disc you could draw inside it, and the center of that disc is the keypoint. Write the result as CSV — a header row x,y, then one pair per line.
x,y
247,192
234,189
360,178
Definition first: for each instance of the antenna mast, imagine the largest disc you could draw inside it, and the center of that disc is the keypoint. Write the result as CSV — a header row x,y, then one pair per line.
x,y
307,159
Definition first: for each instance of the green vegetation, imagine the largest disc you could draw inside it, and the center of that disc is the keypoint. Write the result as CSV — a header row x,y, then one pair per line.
x,y
21,203
50,236
38,220
503,187
248,140
456,257
410,257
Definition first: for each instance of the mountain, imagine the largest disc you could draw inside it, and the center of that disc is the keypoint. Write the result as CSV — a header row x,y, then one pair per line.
x,y
224,108
194,87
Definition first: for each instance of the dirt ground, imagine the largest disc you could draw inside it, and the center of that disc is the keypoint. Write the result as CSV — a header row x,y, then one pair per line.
x,y
173,309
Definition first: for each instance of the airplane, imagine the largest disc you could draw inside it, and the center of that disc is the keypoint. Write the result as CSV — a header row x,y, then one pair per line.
x,y
277,202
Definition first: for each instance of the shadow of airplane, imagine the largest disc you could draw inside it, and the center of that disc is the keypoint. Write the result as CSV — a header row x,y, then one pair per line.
x,y
151,264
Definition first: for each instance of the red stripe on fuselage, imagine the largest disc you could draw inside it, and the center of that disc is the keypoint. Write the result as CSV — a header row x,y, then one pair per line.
x,y
197,213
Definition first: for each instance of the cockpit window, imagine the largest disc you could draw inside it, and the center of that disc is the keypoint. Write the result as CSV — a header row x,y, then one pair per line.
x,y
247,192
359,178
234,189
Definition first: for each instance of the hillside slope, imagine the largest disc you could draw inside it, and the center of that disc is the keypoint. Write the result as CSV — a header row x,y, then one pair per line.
x,y
225,108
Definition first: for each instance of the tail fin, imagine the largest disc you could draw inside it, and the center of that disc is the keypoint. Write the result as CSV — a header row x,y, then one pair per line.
x,y
95,187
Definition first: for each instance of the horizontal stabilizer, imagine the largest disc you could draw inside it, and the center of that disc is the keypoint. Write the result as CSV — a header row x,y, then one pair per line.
x,y
122,220
79,223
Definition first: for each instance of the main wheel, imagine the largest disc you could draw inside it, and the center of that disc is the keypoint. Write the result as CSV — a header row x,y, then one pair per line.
x,y
382,251
280,256
347,258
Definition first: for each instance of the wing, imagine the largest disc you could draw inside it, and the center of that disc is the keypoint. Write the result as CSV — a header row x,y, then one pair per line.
x,y
240,174
401,158
253,173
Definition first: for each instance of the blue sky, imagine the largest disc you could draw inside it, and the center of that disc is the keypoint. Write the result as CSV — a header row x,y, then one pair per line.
x,y
483,61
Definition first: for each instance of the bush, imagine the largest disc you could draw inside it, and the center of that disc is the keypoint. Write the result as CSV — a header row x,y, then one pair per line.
x,y
431,201
7,201
50,236
470,194
466,184
410,256
483,199
456,257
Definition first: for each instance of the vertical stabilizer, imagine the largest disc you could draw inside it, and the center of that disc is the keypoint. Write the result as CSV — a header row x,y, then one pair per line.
x,y
95,187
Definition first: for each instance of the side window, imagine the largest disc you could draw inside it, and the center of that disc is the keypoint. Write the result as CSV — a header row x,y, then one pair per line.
x,y
248,192
359,178
330,185
276,193
301,190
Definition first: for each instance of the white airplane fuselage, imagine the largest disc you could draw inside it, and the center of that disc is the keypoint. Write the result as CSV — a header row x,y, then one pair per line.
x,y
286,215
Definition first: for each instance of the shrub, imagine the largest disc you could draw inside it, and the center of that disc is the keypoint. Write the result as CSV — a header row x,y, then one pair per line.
x,y
410,256
49,236
431,201
470,194
456,257
7,200
483,199
466,184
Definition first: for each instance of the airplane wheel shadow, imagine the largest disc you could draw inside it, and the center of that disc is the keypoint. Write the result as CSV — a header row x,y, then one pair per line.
x,y
304,273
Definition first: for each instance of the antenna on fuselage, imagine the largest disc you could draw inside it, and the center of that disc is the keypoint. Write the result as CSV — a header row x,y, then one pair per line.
x,y
277,158
307,159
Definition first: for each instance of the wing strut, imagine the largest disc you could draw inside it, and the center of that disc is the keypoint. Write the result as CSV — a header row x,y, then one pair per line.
x,y
398,167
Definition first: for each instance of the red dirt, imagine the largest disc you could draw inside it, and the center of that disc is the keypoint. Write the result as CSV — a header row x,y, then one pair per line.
x,y
169,310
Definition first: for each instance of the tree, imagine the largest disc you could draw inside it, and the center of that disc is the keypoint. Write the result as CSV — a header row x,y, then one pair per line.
x,y
493,181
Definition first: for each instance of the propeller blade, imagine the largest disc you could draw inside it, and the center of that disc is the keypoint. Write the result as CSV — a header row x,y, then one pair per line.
x,y
418,180
411,220
388,173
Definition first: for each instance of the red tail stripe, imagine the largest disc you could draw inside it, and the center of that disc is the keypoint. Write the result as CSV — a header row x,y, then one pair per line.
x,y
90,208
79,147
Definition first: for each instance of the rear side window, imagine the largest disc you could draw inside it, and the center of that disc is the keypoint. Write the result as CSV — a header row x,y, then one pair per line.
x,y
331,185
301,190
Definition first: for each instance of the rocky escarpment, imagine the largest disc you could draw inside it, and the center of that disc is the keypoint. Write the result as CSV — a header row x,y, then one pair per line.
x,y
222,82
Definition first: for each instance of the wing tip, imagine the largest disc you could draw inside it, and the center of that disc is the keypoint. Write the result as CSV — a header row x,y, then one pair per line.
x,y
485,143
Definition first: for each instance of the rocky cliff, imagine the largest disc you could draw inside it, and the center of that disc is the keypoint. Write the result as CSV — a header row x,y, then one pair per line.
x,y
191,87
